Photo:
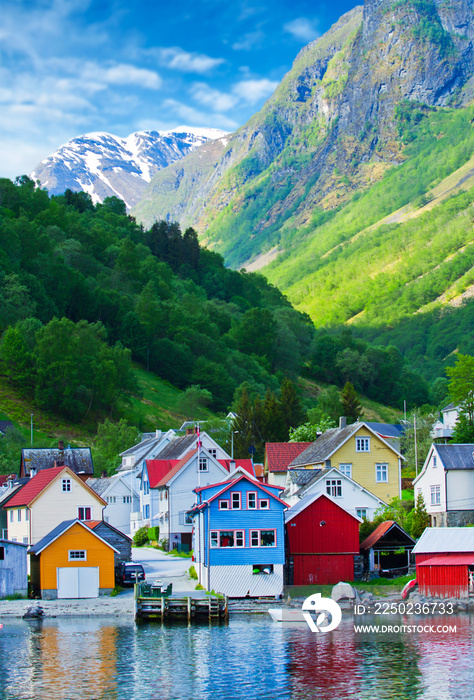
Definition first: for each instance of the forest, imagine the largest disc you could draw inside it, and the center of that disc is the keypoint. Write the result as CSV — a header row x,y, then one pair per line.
x,y
85,291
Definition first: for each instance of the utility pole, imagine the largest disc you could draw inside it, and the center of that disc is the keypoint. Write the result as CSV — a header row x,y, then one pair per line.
x,y
31,430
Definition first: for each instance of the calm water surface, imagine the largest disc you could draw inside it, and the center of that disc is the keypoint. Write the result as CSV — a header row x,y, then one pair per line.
x,y
251,657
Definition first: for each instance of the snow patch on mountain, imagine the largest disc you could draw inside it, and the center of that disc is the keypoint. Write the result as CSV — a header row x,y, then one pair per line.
x,y
106,165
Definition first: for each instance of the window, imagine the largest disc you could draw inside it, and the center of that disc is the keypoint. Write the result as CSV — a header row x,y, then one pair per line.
x,y
262,569
25,540
235,500
65,484
263,538
223,505
434,460
19,515
203,464
188,519
251,500
435,495
362,513
77,555
2,553
264,504
27,514
146,511
346,469
213,452
127,499
146,488
334,487
362,444
226,539
11,516
239,538
84,513
214,539
381,473
111,499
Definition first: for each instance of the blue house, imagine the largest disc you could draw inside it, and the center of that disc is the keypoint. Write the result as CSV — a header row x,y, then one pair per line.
x,y
239,537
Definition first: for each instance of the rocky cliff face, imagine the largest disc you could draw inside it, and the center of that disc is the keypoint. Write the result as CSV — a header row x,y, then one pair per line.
x,y
104,165
332,126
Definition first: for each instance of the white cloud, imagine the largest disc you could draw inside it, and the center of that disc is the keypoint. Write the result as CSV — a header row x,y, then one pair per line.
x,y
178,59
219,101
252,91
195,117
249,41
126,74
302,29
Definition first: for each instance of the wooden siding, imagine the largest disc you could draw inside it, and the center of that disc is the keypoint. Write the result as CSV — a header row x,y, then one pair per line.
x,y
76,538
13,576
322,568
339,534
240,581
443,581
117,540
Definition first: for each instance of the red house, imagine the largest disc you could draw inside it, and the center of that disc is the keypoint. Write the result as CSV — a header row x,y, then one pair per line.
x,y
322,540
445,562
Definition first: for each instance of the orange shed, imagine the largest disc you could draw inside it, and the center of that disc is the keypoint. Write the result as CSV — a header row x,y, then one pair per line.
x,y
72,561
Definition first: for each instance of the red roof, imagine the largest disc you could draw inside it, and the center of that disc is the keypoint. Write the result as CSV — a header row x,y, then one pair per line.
x,y
243,463
175,469
280,454
379,532
158,468
454,560
34,486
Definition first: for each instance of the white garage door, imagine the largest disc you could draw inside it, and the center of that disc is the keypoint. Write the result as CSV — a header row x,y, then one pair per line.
x,y
78,582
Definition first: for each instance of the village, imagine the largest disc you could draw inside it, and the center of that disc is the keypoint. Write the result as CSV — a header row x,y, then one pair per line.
x,y
255,531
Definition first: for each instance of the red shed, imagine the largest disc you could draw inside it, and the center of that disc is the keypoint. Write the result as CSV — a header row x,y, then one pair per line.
x,y
445,562
322,540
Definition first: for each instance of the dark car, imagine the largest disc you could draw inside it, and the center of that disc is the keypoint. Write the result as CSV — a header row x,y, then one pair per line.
x,y
128,573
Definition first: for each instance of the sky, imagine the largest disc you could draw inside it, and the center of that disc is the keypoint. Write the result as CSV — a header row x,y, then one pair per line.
x,y
70,67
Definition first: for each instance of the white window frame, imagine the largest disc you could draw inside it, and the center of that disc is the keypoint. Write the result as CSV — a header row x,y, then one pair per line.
x,y
237,535
363,444
334,488
66,485
203,464
261,502
213,452
224,504
258,537
232,500
81,552
381,470
18,515
435,495
346,469
361,513
255,501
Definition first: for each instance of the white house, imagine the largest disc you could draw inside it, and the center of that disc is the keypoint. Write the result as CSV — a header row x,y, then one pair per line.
x,y
122,498
447,485
148,447
444,428
350,495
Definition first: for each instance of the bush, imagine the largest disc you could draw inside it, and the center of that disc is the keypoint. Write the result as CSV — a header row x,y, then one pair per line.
x,y
154,533
140,537
192,572
163,544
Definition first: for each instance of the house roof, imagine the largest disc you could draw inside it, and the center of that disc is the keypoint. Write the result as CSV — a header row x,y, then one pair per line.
x,y
177,446
259,470
246,464
308,477
303,477
99,485
387,430
36,484
382,531
229,483
445,539
78,459
158,468
93,524
6,425
60,530
455,560
17,544
280,454
176,468
308,500
324,447
450,407
456,456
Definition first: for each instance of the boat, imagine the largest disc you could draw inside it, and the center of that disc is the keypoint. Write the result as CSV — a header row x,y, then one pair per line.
x,y
286,614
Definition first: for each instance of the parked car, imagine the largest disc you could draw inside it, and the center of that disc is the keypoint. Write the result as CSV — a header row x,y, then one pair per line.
x,y
128,573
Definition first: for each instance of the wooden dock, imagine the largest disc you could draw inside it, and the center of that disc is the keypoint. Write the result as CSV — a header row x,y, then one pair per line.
x,y
180,607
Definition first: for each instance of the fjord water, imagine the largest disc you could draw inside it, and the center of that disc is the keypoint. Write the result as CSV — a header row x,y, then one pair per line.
x,y
251,657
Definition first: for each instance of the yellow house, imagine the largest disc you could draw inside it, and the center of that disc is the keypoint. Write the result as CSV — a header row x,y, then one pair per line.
x,y
72,561
361,454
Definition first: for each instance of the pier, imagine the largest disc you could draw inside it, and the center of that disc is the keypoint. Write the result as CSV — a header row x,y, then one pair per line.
x,y
155,602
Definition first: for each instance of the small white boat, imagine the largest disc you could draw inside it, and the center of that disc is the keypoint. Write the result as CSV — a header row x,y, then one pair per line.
x,y
286,614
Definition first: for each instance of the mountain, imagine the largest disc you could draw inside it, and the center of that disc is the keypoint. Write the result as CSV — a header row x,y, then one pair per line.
x,y
372,117
104,165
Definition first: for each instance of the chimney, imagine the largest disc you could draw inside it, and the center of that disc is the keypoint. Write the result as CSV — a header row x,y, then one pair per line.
x,y
103,475
10,479
232,465
32,472
60,445
189,431
342,422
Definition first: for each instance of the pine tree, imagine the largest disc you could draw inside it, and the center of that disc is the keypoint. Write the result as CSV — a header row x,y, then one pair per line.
x,y
350,403
421,519
292,409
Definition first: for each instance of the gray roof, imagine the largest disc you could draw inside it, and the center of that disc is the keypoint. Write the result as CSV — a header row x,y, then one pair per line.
x,y
143,446
303,476
78,459
8,493
325,445
177,447
456,456
99,485
450,407
6,425
445,539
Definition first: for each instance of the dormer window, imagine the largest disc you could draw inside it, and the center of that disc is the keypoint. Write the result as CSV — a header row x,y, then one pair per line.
x,y
362,444
65,485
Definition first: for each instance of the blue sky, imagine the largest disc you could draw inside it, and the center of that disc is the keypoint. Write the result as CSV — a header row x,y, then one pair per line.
x,y
68,67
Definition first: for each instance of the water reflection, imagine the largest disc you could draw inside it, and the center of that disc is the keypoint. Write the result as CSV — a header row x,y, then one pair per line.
x,y
250,658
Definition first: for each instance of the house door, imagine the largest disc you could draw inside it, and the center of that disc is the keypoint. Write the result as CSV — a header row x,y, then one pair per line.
x,y
78,582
